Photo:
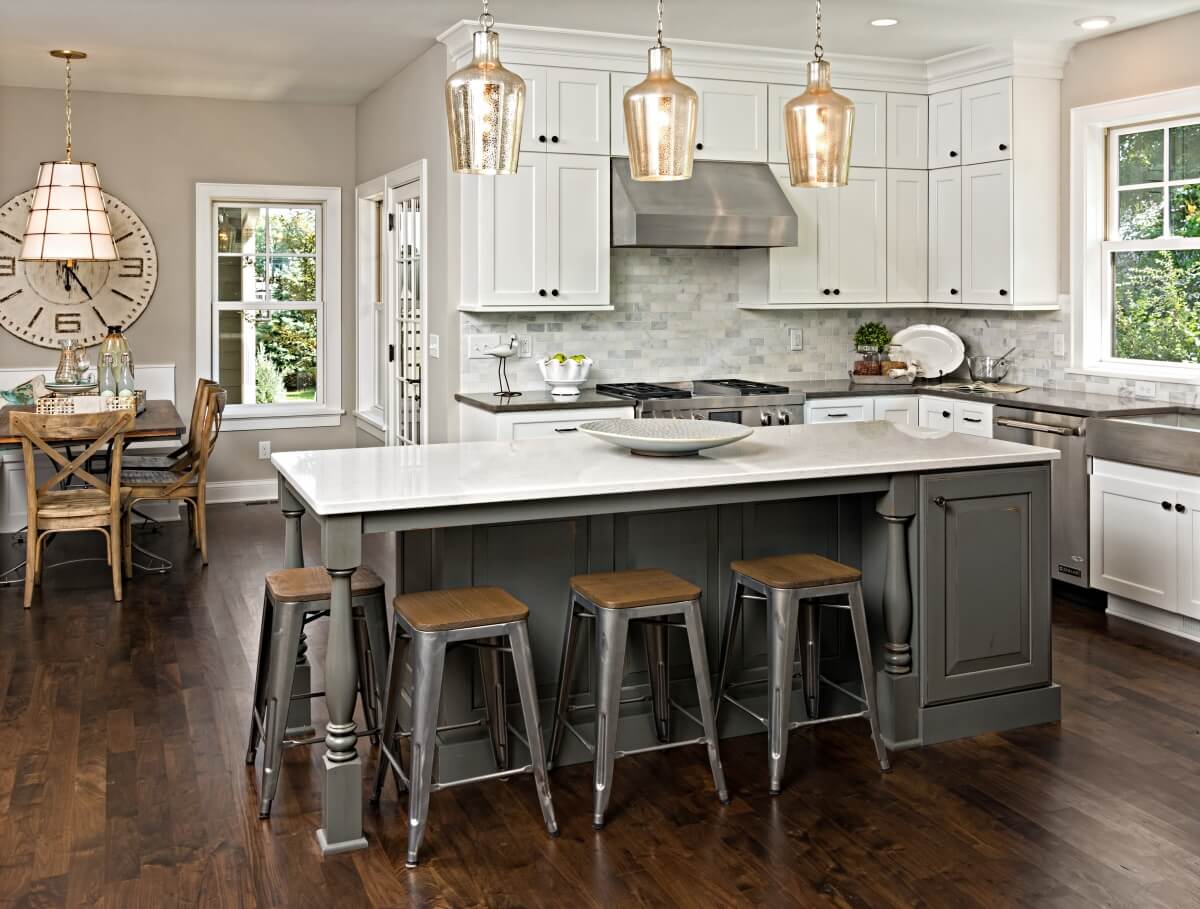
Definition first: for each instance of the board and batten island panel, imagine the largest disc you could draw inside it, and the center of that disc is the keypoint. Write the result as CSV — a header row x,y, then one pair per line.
x,y
528,515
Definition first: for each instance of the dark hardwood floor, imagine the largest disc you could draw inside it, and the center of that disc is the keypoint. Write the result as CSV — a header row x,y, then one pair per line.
x,y
122,781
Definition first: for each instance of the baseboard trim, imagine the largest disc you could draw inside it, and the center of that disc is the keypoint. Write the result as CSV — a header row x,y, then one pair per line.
x,y
1152,617
225,491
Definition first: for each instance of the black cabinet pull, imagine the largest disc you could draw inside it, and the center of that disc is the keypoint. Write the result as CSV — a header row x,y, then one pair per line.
x,y
972,420
1180,507
542,292
1003,293
1166,506
541,138
554,138
567,429
946,414
1003,147
700,146
954,291
827,291
837,415
940,501
837,291
554,293
953,154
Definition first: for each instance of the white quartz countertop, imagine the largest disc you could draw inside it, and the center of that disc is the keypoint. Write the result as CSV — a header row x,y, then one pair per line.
x,y
347,481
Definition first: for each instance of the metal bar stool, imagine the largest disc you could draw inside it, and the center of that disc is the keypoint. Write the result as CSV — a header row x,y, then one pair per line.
x,y
614,599
294,598
790,584
427,625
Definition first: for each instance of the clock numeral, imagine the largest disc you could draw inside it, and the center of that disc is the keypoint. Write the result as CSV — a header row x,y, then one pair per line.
x,y
67,323
8,266
4,233
123,237
123,296
131,268
11,295
35,316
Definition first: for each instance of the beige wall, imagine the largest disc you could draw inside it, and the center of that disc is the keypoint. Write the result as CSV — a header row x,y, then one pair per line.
x,y
1141,61
399,123
151,151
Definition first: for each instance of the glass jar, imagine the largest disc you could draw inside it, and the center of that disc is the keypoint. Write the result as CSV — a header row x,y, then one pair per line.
x,y
868,362
108,378
67,372
114,343
125,378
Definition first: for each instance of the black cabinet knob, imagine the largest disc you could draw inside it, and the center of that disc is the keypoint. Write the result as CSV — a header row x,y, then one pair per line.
x,y
1003,293
946,414
953,154
1166,506
954,291
542,292
541,138
1003,147
554,293
1180,507
940,501
827,291
700,146
554,138
837,291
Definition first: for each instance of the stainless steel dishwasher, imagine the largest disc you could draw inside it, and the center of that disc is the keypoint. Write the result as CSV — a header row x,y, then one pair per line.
x,y
1068,482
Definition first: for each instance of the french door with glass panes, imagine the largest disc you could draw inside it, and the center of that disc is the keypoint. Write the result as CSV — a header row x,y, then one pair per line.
x,y
405,246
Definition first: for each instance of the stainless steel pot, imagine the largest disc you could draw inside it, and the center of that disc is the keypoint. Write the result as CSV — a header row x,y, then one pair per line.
x,y
988,369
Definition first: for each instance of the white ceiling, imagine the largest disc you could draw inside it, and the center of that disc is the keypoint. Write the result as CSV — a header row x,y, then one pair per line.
x,y
337,51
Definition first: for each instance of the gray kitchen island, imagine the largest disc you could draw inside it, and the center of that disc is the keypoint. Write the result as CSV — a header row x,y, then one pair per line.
x,y
951,532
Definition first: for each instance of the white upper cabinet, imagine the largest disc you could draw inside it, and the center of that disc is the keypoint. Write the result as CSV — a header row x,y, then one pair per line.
x,y
538,239
987,233
566,110
868,148
619,83
853,245
907,236
732,123
945,129
987,122
795,271
907,131
945,235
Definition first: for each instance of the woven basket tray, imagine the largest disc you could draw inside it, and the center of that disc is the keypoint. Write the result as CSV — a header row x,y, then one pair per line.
x,y
54,404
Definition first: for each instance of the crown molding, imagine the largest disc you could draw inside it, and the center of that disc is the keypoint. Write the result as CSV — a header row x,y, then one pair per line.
x,y
537,45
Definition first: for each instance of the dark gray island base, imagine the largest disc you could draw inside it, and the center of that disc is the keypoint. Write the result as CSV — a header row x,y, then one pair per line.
x,y
956,579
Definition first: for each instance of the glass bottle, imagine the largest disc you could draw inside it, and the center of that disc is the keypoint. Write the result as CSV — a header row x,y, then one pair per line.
x,y
108,379
67,372
125,378
114,343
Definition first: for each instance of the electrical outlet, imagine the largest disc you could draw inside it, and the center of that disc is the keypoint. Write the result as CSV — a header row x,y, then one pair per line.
x,y
795,339
1145,390
526,347
264,450
479,345
435,347
1060,345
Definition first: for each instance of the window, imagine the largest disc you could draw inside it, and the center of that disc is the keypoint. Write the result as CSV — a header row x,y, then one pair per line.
x,y
370,357
268,301
1152,250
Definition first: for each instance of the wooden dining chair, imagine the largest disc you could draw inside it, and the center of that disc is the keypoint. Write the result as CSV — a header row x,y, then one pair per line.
x,y
94,506
183,482
171,459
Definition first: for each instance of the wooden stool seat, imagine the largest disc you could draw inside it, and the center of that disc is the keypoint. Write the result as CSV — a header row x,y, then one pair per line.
x,y
631,589
463,607
792,572
308,585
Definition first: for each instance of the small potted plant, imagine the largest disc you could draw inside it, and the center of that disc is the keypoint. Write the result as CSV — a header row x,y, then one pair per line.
x,y
870,340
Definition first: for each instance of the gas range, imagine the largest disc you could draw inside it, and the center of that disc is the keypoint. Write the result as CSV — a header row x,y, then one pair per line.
x,y
728,400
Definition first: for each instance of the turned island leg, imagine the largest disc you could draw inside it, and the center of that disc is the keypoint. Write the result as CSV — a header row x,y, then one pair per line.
x,y
299,720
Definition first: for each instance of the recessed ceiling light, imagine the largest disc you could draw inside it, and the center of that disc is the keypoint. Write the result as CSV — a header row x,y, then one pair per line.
x,y
1094,23
884,23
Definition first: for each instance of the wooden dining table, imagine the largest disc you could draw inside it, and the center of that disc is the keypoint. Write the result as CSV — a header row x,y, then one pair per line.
x,y
160,421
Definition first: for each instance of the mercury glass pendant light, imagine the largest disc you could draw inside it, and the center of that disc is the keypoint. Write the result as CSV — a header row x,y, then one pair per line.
x,y
660,119
67,219
485,107
819,125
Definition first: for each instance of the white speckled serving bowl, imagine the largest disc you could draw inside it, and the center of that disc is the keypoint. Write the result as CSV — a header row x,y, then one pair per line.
x,y
664,437
565,379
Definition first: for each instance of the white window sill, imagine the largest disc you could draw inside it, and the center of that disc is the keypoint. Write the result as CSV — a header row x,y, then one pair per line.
x,y
371,422
246,418
1180,376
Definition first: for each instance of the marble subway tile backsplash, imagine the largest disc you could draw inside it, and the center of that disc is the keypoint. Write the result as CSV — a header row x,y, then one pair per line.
x,y
676,317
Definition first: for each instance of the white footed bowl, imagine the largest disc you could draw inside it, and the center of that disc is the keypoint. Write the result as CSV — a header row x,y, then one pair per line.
x,y
566,378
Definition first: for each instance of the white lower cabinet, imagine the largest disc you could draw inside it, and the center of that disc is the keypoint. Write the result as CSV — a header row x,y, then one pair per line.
x,y
901,409
925,411
973,419
476,425
840,410
935,413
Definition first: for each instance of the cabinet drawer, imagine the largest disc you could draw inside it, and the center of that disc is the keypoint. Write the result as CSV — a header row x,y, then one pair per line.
x,y
936,413
840,410
973,419
541,429
900,409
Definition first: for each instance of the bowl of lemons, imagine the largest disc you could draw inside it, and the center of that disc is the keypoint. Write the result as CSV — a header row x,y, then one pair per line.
x,y
565,374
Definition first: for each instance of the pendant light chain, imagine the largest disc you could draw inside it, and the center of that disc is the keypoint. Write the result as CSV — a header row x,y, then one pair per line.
x,y
68,106
660,23
486,19
818,49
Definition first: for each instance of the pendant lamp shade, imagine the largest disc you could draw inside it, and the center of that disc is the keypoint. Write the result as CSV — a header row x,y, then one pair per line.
x,y
485,109
660,122
818,125
67,220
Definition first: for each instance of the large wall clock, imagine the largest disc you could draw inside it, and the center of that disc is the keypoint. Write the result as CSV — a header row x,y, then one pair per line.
x,y
45,303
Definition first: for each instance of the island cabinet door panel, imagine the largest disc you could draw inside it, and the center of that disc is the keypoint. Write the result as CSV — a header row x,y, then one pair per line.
x,y
577,229
985,582
512,234
1134,546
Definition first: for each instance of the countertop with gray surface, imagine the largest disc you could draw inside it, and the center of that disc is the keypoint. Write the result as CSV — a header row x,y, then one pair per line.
x,y
537,400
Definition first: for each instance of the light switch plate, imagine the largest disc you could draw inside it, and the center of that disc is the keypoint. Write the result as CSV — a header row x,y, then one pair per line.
x,y
479,345
264,450
795,339
526,349
435,347
1145,390
1060,345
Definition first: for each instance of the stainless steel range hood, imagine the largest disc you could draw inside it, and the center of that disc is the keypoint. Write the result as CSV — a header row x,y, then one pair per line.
x,y
725,204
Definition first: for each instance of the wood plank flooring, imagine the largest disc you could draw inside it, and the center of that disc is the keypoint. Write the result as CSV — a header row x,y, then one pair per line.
x,y
122,781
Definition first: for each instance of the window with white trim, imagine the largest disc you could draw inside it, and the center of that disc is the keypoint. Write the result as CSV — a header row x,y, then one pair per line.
x,y
1150,315
269,301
